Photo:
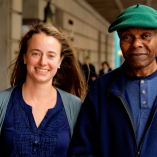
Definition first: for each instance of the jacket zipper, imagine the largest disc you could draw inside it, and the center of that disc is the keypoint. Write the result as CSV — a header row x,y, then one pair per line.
x,y
140,147
132,123
129,114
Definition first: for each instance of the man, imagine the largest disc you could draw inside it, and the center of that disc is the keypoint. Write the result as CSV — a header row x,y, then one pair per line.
x,y
118,117
90,73
105,68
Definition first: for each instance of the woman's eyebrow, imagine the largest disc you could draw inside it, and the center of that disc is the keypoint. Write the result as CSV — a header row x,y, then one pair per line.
x,y
35,50
41,51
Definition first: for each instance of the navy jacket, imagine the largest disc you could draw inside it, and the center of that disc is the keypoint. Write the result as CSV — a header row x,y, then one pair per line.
x,y
105,127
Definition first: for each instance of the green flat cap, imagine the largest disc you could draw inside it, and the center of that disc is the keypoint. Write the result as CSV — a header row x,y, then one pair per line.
x,y
135,16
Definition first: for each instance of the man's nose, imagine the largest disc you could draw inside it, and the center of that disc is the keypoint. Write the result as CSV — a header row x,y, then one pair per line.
x,y
137,43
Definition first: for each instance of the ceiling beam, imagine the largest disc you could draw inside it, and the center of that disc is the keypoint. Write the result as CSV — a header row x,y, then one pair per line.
x,y
148,2
119,5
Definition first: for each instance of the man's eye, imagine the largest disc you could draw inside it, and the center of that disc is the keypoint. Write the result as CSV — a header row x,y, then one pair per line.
x,y
146,35
127,37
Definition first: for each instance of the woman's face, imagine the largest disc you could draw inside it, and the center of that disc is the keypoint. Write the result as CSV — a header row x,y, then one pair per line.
x,y
43,58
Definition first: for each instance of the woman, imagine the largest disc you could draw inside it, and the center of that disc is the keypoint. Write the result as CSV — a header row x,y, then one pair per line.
x,y
39,112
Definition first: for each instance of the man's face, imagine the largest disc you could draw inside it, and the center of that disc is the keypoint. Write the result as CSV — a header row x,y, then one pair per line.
x,y
105,66
139,46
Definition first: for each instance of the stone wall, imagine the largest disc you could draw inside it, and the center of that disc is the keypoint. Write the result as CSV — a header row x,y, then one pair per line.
x,y
88,29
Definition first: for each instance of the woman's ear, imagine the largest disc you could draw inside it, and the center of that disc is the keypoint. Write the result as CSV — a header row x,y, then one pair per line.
x,y
61,59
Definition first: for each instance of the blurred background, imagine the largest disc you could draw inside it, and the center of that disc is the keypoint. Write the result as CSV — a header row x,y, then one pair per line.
x,y
86,20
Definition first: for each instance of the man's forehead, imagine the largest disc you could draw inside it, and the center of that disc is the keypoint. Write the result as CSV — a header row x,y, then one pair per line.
x,y
129,29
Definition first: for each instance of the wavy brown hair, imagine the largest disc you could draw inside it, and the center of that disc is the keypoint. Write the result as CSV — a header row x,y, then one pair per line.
x,y
68,78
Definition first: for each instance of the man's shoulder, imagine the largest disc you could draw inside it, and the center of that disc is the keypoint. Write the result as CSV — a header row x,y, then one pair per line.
x,y
108,76
101,85
103,82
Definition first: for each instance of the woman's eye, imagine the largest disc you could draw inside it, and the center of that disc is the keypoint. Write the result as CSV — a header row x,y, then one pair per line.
x,y
35,54
50,56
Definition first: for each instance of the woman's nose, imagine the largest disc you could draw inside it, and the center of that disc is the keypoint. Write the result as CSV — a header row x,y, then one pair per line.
x,y
43,60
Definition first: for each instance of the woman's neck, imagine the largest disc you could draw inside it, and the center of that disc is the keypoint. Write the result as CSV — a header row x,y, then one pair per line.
x,y
38,92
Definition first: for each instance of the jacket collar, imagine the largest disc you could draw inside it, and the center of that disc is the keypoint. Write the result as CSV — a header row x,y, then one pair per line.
x,y
118,84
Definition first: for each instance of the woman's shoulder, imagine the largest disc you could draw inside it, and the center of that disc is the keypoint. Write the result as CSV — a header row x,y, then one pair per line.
x,y
6,93
72,105
4,99
68,96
